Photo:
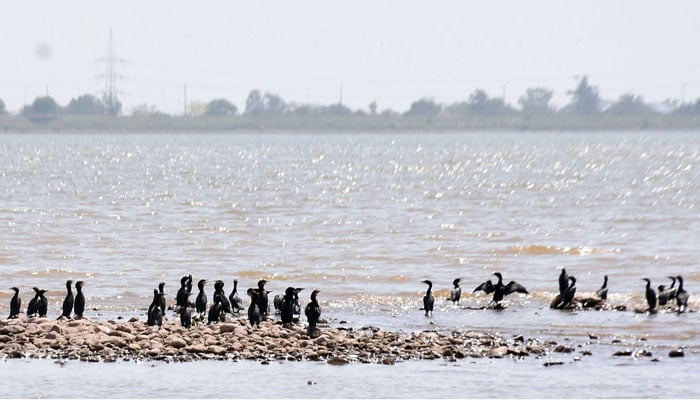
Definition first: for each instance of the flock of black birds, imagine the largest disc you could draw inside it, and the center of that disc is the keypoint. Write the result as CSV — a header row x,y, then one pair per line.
x,y
287,306
567,290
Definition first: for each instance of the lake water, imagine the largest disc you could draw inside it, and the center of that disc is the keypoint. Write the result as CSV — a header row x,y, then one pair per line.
x,y
365,218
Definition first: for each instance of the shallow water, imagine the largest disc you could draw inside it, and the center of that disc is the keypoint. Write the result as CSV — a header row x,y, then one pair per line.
x,y
365,218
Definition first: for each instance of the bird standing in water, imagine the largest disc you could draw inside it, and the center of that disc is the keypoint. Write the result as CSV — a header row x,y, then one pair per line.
x,y
79,303
428,299
681,296
602,293
15,304
500,290
313,313
650,295
68,301
456,292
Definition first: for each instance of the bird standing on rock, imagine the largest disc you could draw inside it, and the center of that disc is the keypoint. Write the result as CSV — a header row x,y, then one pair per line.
x,y
181,298
15,304
155,314
68,301
500,290
262,299
220,296
201,300
163,303
253,309
287,307
428,299
234,299
79,304
313,313
185,313
602,293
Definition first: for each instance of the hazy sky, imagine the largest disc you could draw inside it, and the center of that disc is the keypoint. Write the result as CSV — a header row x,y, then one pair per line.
x,y
393,52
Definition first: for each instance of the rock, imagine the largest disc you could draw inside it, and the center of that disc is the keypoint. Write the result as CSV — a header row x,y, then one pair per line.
x,y
338,361
563,349
622,353
176,342
389,361
552,363
498,352
225,328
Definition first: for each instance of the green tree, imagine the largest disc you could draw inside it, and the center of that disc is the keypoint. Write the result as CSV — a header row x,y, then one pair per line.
x,y
629,104
43,109
112,105
536,100
221,108
86,104
585,98
2,107
424,107
254,104
373,108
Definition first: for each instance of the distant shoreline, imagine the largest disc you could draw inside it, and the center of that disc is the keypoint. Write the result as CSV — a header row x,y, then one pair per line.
x,y
351,124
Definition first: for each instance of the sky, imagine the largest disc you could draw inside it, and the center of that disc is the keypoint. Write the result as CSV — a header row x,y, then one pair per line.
x,y
391,52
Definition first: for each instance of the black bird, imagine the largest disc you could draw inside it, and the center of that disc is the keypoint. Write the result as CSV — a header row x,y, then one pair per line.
x,y
287,306
681,296
500,290
563,281
428,299
189,283
234,299
201,301
602,293
297,305
664,295
456,292
313,313
569,293
220,295
215,310
79,304
32,307
42,305
163,303
68,301
253,309
15,304
155,314
672,290
262,298
650,296
182,293
185,313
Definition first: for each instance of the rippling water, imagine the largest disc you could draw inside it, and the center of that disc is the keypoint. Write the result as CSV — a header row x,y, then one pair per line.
x,y
365,218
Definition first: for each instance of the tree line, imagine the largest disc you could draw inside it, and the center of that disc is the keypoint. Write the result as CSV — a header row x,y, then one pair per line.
x,y
536,101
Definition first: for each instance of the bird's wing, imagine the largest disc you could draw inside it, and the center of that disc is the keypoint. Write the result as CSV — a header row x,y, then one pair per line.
x,y
514,286
486,287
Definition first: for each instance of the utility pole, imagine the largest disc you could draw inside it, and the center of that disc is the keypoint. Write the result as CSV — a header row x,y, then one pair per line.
x,y
110,76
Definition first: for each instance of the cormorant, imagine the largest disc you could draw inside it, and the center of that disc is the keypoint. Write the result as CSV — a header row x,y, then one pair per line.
x,y
681,296
297,305
664,295
253,309
569,293
672,290
79,304
68,301
500,290
456,292
602,293
182,293
650,296
42,305
201,300
163,304
15,304
189,283
428,299
262,298
155,314
185,313
33,306
313,313
287,306
234,299
563,281
221,296
215,310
